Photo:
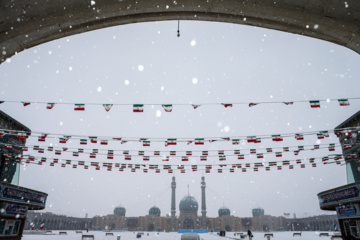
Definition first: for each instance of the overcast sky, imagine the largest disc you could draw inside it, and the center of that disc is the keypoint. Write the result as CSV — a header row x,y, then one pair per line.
x,y
210,63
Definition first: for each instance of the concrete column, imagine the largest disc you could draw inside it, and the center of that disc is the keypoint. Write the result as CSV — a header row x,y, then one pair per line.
x,y
203,203
173,208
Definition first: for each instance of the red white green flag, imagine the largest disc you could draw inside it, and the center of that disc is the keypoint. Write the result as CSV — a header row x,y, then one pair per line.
x,y
325,133
241,156
50,105
188,153
251,139
43,159
259,155
221,152
286,162
104,142
222,158
259,164
79,107
227,105
205,153
180,167
277,138
24,148
63,165
21,136
253,151
253,104
195,106
55,160
296,152
269,150
314,104
92,155
95,151
146,158
256,169
157,170
193,167
138,108
247,165
302,165
125,152
68,161
219,170
167,107
107,107
110,156
313,165
57,152
199,141
301,148
320,136
165,158
243,170
52,164
81,163
344,102
208,167
184,159
146,143
172,153
232,170
83,141
182,170
258,140
145,170
171,141
325,159
298,161
74,166
95,164
316,147
156,153
299,136
267,168
272,164
127,157
26,103
65,149
93,139
235,141
285,149
141,153
291,166
279,167
312,160
236,151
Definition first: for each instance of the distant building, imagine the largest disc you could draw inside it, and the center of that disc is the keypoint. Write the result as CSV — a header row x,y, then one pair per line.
x,y
258,212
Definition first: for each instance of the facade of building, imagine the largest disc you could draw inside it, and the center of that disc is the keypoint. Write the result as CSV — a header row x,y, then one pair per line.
x,y
15,201
345,200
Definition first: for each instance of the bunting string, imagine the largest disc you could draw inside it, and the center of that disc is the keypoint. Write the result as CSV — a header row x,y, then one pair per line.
x,y
169,107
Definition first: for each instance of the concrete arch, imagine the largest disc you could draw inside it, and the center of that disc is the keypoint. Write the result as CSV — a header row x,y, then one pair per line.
x,y
24,24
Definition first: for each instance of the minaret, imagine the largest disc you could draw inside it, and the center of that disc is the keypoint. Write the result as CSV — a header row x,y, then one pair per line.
x,y
173,209
203,203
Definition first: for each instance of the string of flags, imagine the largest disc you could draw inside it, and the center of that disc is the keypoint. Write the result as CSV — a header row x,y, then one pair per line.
x,y
139,108
146,142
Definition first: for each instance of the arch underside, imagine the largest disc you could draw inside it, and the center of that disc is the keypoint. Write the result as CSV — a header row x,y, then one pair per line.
x,y
24,24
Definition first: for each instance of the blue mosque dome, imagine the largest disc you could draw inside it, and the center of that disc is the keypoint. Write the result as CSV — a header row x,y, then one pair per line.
x,y
224,211
188,203
120,210
154,211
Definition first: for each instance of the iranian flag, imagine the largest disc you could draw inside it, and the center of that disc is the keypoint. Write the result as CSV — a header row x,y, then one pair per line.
x,y
238,165
157,170
237,151
93,139
57,152
226,105
298,161
344,102
208,167
251,139
92,155
277,138
312,160
138,108
288,103
107,107
252,104
314,104
247,165
94,164
22,136
50,105
145,170
259,164
97,168
104,142
81,163
55,160
43,159
235,141
146,143
347,146
207,171
171,141
232,170
165,158
126,152
42,225
302,165
269,150
137,166
79,107
332,147
156,153
272,164
63,140
111,152
205,153
110,156
291,166
127,157
182,171
241,156
219,170
252,151
325,159
243,169
141,153
267,168
279,167
74,166
172,153
195,106
180,167
83,141
146,158
301,148
221,152
256,169
320,136
286,162
193,167
296,152
117,165
325,133
258,140
167,107
109,168
338,157
50,149
52,164
117,138
95,150
199,141
65,149
24,148
63,165
188,153
285,149
222,158
26,103
259,155
313,165
68,161
8,146
123,165
184,159
299,136
170,171
316,147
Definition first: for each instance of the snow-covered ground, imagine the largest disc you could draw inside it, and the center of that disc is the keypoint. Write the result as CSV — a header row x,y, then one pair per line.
x,y
72,235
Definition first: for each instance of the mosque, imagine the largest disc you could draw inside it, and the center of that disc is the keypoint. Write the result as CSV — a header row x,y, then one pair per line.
x,y
188,217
